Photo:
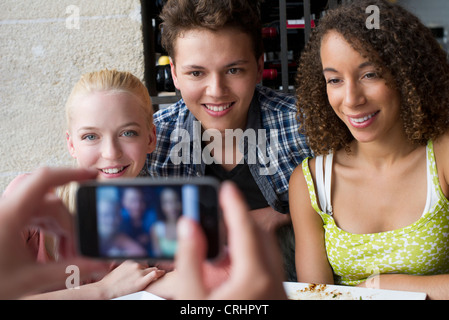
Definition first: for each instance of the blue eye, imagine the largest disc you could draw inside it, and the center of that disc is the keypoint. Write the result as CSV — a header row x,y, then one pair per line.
x,y
130,133
89,137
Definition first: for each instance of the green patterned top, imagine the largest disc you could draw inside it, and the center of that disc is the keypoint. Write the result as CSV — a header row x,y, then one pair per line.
x,y
421,248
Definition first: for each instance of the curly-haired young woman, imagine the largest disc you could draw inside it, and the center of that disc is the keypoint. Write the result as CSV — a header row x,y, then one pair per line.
x,y
372,207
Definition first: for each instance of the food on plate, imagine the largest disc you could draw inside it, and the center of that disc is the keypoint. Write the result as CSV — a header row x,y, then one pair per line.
x,y
320,292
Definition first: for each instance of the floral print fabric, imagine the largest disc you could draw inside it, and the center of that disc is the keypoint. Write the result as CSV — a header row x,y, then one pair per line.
x,y
421,248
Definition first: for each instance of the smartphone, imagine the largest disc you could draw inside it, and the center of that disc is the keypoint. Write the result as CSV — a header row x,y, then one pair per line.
x,y
136,218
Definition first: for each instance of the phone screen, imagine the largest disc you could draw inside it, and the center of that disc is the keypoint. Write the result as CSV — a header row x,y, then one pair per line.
x,y
139,221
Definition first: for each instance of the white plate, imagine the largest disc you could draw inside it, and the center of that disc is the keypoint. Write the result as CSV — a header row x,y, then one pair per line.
x,y
307,291
140,295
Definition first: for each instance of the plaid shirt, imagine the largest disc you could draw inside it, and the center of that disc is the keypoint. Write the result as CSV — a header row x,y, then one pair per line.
x,y
272,115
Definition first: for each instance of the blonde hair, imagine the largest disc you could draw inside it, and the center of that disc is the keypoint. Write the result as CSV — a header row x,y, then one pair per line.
x,y
111,81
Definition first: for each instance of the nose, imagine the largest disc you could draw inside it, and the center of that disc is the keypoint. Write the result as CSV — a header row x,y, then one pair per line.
x,y
111,149
217,86
354,95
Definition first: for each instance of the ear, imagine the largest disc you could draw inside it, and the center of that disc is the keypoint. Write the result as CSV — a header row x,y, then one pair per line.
x,y
260,67
70,144
173,73
152,140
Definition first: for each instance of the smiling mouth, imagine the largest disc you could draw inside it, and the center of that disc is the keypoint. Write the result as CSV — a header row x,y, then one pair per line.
x,y
113,170
218,108
363,119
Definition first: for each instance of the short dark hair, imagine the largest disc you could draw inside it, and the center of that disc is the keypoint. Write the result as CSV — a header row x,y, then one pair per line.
x,y
402,47
179,16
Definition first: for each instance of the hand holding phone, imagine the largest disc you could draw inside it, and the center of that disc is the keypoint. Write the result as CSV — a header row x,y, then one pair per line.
x,y
254,257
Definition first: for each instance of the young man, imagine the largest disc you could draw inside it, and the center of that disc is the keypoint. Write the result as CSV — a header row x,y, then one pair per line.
x,y
217,62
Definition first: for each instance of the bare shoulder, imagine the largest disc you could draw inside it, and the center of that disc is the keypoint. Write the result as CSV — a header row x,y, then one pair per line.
x,y
296,182
299,197
298,174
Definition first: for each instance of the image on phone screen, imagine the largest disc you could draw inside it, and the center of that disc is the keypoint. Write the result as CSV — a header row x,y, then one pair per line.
x,y
139,221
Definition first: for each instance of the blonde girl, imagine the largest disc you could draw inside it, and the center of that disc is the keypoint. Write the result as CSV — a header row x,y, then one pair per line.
x,y
109,128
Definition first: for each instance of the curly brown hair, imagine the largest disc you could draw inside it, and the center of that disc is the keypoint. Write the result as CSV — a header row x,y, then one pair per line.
x,y
179,16
402,47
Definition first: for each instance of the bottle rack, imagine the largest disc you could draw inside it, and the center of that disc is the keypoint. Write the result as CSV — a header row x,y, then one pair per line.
x,y
292,20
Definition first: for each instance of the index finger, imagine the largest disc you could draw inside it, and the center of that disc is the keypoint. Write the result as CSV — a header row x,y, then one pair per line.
x,y
32,191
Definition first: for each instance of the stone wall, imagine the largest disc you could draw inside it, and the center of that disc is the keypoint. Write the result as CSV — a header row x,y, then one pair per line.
x,y
45,47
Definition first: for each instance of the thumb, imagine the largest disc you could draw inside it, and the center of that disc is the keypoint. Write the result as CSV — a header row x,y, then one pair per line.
x,y
189,260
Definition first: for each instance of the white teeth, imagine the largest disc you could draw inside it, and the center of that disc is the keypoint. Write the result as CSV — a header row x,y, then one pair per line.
x,y
360,120
112,170
219,108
